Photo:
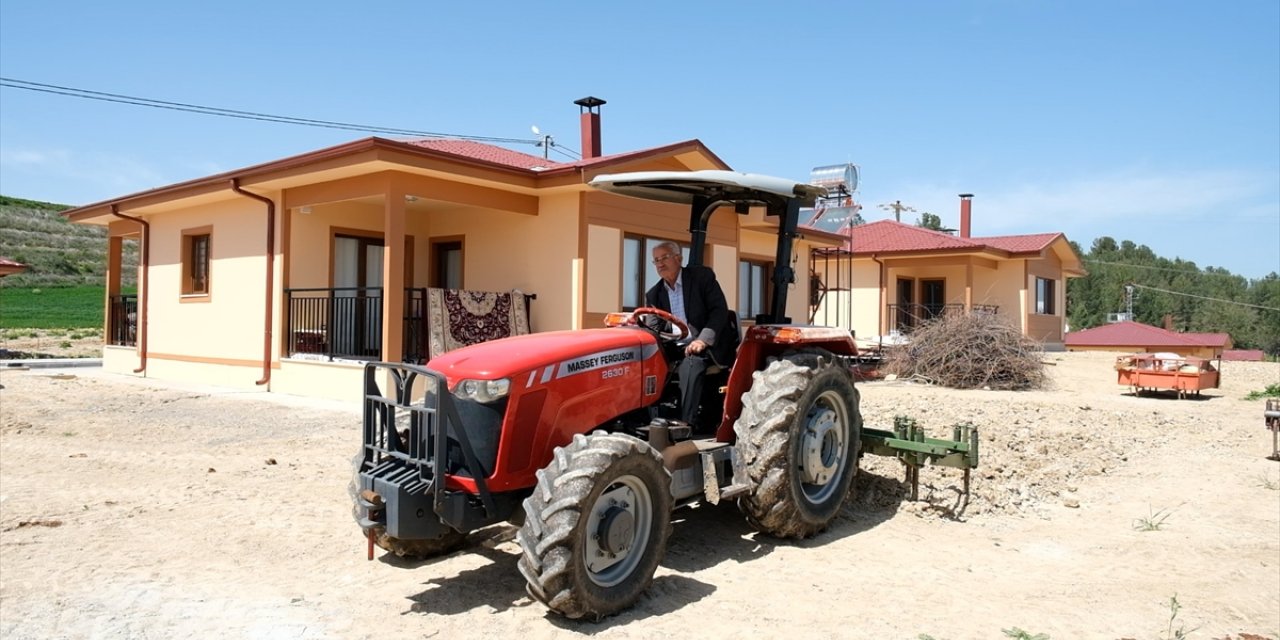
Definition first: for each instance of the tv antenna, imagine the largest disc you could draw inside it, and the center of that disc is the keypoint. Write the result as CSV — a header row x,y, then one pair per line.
x,y
545,141
897,208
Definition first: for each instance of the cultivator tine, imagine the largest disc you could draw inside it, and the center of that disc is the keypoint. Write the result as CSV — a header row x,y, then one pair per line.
x,y
914,449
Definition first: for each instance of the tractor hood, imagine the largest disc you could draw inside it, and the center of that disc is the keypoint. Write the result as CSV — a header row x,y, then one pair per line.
x,y
568,351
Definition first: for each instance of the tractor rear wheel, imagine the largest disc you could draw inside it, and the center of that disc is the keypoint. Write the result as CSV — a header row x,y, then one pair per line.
x,y
799,437
596,526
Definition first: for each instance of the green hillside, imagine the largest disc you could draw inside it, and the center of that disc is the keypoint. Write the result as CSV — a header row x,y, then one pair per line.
x,y
56,252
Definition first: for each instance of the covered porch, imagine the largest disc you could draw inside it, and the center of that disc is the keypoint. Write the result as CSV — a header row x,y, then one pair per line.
x,y
919,289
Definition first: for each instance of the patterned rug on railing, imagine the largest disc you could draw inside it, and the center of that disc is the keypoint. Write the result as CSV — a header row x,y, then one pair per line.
x,y
457,317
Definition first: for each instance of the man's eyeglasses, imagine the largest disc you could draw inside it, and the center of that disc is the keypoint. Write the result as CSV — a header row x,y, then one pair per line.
x,y
662,259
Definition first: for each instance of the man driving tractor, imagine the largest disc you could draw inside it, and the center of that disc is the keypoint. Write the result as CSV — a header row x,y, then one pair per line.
x,y
693,295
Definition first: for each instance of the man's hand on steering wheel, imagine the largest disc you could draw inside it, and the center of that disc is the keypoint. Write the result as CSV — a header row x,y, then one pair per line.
x,y
664,335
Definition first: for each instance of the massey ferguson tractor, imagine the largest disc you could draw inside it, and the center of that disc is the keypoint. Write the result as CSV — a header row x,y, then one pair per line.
x,y
570,436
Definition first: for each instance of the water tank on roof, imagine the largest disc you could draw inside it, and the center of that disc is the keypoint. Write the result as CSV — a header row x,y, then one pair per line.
x,y
837,178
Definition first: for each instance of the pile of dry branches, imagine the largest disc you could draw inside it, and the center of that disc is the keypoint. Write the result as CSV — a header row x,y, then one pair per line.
x,y
969,351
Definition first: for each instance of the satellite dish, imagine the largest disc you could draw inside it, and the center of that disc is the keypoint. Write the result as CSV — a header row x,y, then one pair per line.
x,y
536,131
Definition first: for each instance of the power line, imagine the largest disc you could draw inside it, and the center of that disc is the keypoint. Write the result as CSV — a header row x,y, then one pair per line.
x,y
235,113
566,153
1192,295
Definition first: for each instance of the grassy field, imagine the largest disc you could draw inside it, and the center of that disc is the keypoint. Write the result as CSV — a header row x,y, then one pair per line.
x,y
51,307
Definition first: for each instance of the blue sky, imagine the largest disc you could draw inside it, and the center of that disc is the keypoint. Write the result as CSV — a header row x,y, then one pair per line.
x,y
1156,122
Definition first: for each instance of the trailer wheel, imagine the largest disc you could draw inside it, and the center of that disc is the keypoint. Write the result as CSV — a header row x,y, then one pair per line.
x,y
596,526
415,549
799,438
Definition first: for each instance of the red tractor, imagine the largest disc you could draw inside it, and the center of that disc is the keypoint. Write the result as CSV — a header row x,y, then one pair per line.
x,y
564,432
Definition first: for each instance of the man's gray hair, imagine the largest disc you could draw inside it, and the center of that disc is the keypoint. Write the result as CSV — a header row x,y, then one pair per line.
x,y
670,246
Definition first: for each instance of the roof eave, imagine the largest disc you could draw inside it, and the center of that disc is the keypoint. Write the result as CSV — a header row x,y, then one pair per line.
x,y
256,172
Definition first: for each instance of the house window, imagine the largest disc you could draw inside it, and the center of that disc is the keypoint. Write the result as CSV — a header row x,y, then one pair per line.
x,y
357,262
446,265
196,252
1044,297
753,288
638,274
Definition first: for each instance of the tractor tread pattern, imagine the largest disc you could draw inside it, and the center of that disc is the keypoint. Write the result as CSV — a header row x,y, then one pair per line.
x,y
764,432
550,533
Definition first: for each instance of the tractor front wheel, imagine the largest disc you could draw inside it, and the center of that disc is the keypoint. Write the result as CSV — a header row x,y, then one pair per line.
x,y
451,541
799,436
419,549
596,526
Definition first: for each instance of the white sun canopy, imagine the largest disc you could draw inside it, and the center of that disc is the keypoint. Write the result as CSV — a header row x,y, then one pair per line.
x,y
683,186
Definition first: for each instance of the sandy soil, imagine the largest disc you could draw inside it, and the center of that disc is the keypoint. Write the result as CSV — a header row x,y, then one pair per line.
x,y
131,508
22,344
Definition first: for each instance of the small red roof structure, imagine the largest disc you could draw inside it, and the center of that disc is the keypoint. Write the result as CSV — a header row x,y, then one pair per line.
x,y
9,267
1138,337
1244,355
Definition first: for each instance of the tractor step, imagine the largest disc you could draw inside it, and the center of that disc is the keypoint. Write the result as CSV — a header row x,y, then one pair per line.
x,y
716,484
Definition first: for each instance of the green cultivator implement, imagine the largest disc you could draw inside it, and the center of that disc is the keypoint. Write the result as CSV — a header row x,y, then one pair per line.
x,y
908,443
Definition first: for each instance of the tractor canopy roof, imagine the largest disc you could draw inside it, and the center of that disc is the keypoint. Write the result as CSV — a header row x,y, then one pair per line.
x,y
683,187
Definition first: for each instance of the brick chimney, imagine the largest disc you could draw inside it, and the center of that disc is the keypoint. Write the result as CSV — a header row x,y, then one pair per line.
x,y
1168,322
966,204
590,110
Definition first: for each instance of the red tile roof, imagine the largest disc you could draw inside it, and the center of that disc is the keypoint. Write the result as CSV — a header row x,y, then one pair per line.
x,y
888,236
5,262
1210,339
485,152
520,160
885,236
1136,334
1020,244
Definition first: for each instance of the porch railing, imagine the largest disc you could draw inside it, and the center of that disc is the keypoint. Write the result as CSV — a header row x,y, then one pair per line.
x,y
904,318
343,322
122,320
347,323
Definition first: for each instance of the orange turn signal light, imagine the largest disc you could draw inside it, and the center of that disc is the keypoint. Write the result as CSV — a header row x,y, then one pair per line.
x,y
617,319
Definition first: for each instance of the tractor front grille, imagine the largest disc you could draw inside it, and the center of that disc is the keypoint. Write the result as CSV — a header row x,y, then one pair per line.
x,y
403,427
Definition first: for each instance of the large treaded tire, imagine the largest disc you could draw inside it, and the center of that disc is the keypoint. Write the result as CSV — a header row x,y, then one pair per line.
x,y
412,549
572,502
791,395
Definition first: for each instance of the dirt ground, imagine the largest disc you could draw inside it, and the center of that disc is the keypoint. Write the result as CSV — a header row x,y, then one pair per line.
x,y
131,508
23,344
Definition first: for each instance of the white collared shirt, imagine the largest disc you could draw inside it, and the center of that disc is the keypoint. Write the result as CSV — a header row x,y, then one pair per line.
x,y
676,295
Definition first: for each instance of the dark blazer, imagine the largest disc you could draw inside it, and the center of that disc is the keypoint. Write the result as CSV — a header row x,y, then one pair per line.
x,y
705,307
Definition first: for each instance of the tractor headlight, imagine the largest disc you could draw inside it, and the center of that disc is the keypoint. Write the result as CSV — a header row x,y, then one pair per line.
x,y
483,390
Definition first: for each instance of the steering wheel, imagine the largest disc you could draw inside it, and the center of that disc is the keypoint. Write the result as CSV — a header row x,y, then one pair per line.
x,y
676,322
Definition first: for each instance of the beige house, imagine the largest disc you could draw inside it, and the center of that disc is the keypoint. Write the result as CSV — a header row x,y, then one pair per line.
x,y
890,277
273,276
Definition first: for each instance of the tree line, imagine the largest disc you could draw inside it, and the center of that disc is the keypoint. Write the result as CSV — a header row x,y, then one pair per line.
x,y
1209,300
